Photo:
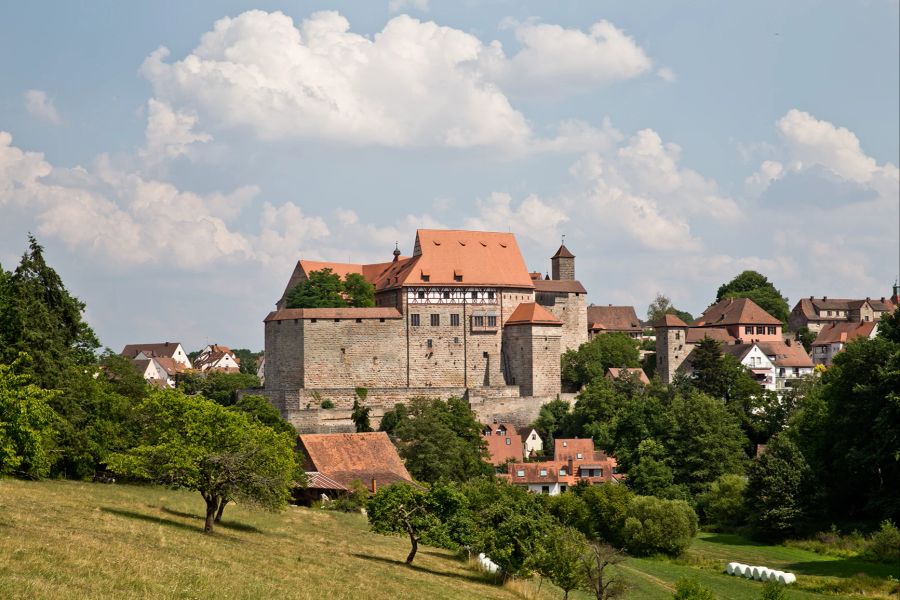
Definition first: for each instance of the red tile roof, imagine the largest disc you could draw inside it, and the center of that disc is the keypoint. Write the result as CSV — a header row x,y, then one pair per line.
x,y
720,334
843,332
613,318
615,373
374,312
564,449
810,306
735,311
530,313
532,472
481,258
348,457
563,252
669,321
166,349
786,355
562,286
501,451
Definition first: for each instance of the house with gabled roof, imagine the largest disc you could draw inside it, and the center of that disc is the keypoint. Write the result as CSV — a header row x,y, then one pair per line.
x,y
816,313
504,444
158,371
833,337
215,358
613,319
173,350
574,460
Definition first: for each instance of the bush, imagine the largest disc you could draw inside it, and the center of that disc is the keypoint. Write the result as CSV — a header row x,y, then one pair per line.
x,y
655,526
690,589
353,502
326,404
884,545
607,506
723,503
773,590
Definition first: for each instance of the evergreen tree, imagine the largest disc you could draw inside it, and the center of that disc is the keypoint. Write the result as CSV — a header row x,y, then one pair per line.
x,y
776,484
40,318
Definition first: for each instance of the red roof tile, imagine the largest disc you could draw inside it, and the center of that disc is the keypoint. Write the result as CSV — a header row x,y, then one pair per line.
x,y
615,373
348,457
669,321
166,349
504,448
530,313
562,286
563,252
843,332
720,334
613,318
735,311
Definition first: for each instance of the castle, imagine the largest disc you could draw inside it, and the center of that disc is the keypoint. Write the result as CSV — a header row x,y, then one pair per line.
x,y
462,316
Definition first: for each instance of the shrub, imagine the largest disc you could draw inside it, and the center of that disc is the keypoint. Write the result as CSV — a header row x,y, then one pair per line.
x,y
326,404
884,544
690,589
607,507
353,502
773,590
654,525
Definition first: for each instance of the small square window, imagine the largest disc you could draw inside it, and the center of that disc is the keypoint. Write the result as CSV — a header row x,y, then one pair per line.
x,y
474,295
543,472
478,321
457,278
508,441
677,335
414,320
579,456
565,444
429,343
446,295
562,471
771,330
426,278
520,473
760,330
435,320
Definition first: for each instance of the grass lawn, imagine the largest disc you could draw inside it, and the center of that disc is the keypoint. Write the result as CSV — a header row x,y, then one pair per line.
x,y
63,539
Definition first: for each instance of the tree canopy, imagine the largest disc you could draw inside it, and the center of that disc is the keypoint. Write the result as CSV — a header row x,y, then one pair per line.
x,y
325,289
40,317
592,359
758,288
194,443
662,306
26,419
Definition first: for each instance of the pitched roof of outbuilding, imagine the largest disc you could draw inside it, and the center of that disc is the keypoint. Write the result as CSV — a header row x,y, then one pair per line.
x,y
783,354
531,313
158,349
720,334
843,332
735,311
563,286
613,318
669,320
348,457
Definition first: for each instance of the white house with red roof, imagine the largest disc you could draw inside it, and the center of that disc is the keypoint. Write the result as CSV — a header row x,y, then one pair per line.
x,y
215,358
833,337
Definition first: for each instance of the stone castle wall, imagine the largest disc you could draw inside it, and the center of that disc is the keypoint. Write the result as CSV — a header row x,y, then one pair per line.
x,y
533,357
671,350
571,309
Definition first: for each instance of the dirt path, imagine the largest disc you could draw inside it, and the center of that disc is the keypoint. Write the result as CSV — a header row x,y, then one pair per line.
x,y
652,579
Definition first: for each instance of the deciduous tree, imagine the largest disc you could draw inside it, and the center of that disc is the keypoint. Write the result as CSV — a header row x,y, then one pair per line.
x,y
603,582
561,558
758,288
593,358
776,486
402,508
26,424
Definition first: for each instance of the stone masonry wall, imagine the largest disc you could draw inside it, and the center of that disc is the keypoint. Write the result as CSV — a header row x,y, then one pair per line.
x,y
533,357
571,309
671,350
352,353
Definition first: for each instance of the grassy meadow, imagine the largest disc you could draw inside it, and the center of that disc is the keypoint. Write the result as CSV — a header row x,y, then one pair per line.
x,y
62,539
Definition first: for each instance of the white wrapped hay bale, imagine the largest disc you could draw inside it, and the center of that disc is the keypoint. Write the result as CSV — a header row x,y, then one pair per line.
x,y
787,578
730,568
487,564
752,572
763,574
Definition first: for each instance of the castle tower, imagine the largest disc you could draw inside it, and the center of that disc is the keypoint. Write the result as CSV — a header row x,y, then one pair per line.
x,y
563,264
671,346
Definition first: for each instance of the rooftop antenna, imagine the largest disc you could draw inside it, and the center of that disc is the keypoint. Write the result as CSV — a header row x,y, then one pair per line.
x,y
563,243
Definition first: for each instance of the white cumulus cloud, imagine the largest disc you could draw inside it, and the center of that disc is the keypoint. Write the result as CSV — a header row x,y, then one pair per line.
x,y
169,133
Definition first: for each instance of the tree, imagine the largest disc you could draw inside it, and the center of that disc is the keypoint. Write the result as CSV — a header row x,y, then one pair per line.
x,y
402,508
324,289
442,440
359,291
193,443
570,510
723,502
705,441
652,475
655,525
775,489
805,337
595,407
262,411
561,558
221,388
40,317
662,306
593,358
26,424
247,359
636,420
392,418
603,583
553,420
360,413
760,290
607,506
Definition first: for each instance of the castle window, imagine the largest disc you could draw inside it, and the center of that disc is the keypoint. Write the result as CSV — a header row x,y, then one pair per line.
x,y
421,295
414,320
381,320
312,320
677,335
478,320
359,320
492,321
429,343
426,278
748,330
337,320
454,320
446,295
435,320
760,330
490,295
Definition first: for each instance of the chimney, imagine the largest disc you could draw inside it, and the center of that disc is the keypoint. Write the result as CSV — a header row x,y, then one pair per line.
x,y
810,297
867,298
787,342
824,297
374,485
882,298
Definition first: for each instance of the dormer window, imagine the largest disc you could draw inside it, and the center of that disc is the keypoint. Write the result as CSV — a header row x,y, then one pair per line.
x,y
508,441
520,473
565,444
426,278
543,472
579,456
562,471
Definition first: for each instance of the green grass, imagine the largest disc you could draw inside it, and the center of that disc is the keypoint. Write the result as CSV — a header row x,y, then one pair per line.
x,y
78,540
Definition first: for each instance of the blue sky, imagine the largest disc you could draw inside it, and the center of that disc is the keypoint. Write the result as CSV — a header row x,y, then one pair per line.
x,y
674,144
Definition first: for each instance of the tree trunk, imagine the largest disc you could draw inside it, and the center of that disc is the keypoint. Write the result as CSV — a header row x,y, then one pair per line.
x,y
415,546
212,503
221,509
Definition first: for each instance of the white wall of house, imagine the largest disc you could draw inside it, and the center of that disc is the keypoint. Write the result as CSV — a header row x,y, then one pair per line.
x,y
533,443
181,357
756,360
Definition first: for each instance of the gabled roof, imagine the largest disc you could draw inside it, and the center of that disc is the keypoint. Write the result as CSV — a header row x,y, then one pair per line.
x,y
530,313
613,318
669,321
563,286
373,312
564,449
348,457
158,349
843,332
720,334
457,257
532,472
319,481
616,373
563,252
735,311
500,452
809,306
783,354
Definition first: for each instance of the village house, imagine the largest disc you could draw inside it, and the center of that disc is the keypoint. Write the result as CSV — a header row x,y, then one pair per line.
x,y
215,358
574,460
261,369
172,350
833,337
534,444
744,330
504,444
614,319
817,313
462,317
334,462
159,371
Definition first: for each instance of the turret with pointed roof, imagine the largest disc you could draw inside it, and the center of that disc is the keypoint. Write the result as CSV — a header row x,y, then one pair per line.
x,y
563,264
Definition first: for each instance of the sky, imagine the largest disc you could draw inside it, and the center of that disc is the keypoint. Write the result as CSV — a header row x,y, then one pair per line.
x,y
176,159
